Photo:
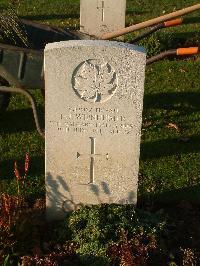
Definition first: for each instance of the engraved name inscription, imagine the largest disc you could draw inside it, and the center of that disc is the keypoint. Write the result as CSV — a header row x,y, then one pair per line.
x,y
93,120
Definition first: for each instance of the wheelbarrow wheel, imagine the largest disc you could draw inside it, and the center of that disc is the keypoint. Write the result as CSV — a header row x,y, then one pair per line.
x,y
4,101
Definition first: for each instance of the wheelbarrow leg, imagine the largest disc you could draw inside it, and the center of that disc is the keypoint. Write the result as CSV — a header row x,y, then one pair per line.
x,y
31,100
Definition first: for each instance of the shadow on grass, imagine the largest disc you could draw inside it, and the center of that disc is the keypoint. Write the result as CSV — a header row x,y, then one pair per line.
x,y
188,194
180,101
7,167
178,39
20,120
191,20
169,147
49,17
185,102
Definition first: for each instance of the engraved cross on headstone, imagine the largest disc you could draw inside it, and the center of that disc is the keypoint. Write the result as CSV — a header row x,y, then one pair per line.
x,y
102,7
92,156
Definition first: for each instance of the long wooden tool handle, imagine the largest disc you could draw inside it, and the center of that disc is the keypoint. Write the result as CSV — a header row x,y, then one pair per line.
x,y
151,22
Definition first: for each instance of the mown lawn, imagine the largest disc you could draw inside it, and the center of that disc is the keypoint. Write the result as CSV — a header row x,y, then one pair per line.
x,y
170,158
164,230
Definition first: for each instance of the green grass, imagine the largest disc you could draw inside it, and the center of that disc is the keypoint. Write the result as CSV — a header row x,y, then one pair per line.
x,y
170,160
18,136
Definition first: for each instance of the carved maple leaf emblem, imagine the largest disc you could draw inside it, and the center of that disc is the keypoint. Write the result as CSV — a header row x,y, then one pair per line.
x,y
95,81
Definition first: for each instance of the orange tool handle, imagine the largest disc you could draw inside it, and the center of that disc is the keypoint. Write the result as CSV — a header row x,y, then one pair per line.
x,y
188,51
174,22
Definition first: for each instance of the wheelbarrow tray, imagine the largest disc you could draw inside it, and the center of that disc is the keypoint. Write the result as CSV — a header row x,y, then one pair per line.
x,y
23,67
39,35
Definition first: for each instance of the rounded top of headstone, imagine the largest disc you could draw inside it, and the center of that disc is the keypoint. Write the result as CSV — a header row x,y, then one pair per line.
x,y
95,43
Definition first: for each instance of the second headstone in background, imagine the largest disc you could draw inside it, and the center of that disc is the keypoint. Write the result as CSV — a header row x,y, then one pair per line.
x,y
100,16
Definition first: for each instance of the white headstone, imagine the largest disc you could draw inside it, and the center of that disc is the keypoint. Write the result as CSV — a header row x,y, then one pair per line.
x,y
100,16
94,99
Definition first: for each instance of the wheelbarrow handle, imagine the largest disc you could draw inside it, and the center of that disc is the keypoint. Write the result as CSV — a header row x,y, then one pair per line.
x,y
166,24
176,52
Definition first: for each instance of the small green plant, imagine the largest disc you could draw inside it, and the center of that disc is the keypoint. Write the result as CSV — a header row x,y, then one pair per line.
x,y
98,228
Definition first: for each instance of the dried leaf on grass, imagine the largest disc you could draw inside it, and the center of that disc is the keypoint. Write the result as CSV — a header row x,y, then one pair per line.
x,y
146,124
173,126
